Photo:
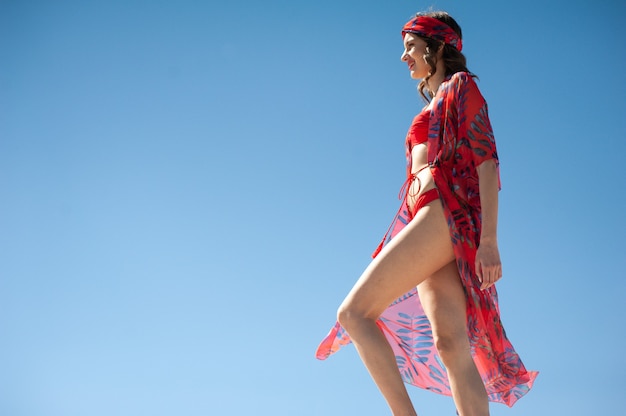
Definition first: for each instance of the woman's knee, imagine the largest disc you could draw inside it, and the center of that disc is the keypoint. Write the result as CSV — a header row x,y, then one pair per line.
x,y
349,314
451,345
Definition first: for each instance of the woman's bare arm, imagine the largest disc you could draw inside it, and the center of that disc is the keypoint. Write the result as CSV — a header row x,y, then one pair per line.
x,y
488,265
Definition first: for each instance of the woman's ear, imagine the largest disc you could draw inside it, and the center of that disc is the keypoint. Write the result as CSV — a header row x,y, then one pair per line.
x,y
440,50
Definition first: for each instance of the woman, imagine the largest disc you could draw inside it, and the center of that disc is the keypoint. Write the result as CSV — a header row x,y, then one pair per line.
x,y
426,305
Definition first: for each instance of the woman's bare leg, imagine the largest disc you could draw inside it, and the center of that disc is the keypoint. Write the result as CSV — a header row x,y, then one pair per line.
x,y
443,300
418,251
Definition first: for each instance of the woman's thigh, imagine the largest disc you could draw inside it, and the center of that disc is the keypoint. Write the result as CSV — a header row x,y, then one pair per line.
x,y
416,252
444,302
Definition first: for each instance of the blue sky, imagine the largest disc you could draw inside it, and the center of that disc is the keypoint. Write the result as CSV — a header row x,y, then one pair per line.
x,y
188,189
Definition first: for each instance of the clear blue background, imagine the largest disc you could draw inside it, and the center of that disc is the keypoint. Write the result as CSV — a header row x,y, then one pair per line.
x,y
189,188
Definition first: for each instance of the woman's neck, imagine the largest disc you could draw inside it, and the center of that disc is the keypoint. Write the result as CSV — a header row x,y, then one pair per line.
x,y
435,81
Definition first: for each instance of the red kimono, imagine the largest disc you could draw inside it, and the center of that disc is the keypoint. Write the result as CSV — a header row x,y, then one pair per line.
x,y
460,138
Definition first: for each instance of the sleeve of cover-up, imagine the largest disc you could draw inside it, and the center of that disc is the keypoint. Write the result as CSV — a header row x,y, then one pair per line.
x,y
475,135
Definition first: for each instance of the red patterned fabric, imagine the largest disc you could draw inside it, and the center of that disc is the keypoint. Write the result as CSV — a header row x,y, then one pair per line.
x,y
433,28
460,138
418,132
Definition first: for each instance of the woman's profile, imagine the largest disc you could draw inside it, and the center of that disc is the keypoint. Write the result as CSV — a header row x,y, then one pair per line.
x,y
425,310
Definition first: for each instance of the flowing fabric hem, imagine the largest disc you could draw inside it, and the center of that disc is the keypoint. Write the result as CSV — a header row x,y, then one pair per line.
x,y
508,393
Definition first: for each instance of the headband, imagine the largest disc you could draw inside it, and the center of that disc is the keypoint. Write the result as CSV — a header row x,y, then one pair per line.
x,y
433,28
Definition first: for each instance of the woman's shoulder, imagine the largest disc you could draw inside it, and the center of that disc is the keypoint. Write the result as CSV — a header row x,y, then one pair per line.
x,y
462,85
462,78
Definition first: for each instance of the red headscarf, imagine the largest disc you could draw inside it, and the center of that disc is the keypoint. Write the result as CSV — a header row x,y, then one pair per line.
x,y
433,28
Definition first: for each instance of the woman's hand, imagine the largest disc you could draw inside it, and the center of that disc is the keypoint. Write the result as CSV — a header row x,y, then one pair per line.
x,y
488,265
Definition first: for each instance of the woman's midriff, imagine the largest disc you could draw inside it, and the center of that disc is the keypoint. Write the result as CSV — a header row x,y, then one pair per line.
x,y
418,190
423,180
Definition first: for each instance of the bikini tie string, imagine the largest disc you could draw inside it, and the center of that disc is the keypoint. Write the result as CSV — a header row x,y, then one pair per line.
x,y
402,196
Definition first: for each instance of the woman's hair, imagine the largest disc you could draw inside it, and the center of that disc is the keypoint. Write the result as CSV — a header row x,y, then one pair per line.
x,y
453,59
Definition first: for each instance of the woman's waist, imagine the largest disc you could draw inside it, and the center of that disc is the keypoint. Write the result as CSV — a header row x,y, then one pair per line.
x,y
418,185
421,169
418,182
420,178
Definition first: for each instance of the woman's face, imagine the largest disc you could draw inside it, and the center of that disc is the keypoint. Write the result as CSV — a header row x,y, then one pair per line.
x,y
413,55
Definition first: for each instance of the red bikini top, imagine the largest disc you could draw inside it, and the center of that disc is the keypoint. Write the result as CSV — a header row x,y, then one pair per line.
x,y
418,132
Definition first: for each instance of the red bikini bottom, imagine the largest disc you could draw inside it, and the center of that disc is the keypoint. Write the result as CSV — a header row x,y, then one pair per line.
x,y
423,200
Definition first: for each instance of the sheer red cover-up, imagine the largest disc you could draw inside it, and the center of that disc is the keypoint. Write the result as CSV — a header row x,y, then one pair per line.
x,y
460,138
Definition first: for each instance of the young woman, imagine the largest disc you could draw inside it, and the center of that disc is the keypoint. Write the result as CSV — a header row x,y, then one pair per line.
x,y
427,305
